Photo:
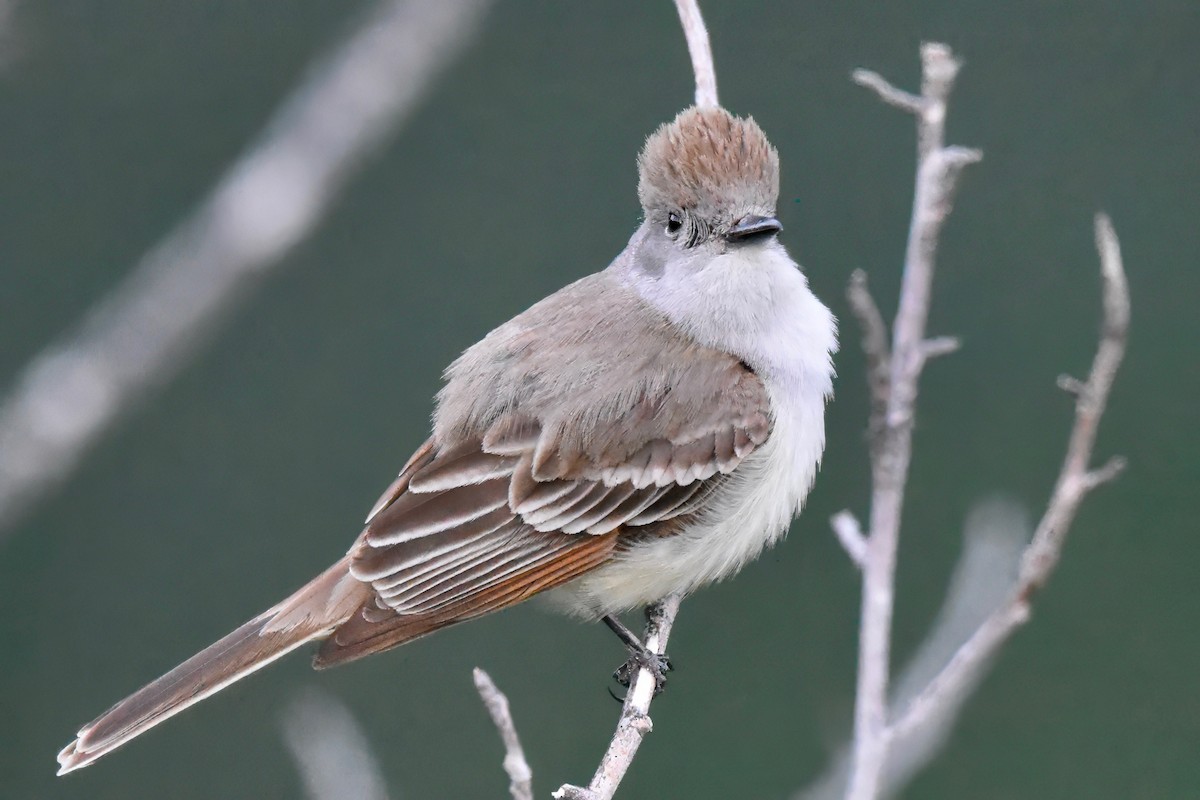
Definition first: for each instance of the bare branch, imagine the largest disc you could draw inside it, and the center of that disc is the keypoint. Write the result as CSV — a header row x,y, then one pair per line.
x,y
139,336
1116,302
1074,482
961,669
905,101
938,168
939,68
994,535
515,764
1108,473
634,723
939,346
701,52
849,533
1070,384
875,348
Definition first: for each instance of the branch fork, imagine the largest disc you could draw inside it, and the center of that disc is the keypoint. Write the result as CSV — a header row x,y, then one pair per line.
x,y
894,368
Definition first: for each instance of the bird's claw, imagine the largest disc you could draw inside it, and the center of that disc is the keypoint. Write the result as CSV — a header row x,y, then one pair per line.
x,y
642,658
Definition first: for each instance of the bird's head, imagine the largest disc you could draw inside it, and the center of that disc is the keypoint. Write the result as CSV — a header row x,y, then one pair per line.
x,y
709,179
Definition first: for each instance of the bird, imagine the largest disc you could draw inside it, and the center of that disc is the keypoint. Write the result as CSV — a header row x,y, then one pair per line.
x,y
647,430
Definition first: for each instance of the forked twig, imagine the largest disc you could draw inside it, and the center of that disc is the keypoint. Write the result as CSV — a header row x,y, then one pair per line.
x,y
1075,480
893,375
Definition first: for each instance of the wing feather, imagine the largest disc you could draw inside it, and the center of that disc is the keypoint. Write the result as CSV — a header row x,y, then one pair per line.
x,y
383,565
635,504
414,516
613,496
455,572
445,565
547,499
667,506
463,465
483,576
543,518
534,492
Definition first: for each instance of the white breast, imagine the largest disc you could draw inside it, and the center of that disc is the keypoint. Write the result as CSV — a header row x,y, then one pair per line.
x,y
751,512
789,343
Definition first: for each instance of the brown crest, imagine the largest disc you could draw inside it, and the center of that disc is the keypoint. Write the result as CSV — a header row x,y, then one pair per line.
x,y
709,161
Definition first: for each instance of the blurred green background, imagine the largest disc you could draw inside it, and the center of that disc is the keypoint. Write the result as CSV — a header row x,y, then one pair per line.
x,y
251,470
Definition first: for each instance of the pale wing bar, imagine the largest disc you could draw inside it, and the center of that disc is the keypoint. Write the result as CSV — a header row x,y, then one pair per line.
x,y
466,519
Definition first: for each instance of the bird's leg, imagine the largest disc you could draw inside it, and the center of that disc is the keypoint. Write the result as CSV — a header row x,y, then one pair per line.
x,y
640,656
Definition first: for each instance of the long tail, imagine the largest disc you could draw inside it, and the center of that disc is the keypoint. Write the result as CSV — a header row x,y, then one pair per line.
x,y
311,613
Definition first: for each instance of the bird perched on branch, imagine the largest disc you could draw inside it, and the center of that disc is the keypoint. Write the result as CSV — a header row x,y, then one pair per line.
x,y
644,431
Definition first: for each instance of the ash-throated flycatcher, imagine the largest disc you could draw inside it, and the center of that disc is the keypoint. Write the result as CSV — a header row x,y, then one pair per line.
x,y
647,430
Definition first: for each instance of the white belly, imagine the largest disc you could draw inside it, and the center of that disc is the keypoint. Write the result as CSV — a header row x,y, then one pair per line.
x,y
755,304
752,510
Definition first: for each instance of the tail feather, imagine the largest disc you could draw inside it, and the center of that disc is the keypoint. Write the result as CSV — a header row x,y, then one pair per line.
x,y
311,613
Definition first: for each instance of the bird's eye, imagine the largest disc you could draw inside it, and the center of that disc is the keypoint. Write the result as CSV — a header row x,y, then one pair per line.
x,y
674,223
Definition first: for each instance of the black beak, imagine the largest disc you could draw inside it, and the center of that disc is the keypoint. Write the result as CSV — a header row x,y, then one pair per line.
x,y
752,227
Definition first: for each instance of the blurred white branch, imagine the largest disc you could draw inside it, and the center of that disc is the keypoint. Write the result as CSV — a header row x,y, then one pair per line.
x,y
331,753
634,723
147,328
521,787
893,376
995,533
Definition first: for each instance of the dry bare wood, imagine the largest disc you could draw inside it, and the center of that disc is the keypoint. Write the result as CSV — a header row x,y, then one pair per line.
x,y
893,372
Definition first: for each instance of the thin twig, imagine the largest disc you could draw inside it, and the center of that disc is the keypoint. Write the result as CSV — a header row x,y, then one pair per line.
x,y
1076,479
521,787
146,329
634,723
938,168
905,101
1070,384
701,52
875,348
849,532
940,346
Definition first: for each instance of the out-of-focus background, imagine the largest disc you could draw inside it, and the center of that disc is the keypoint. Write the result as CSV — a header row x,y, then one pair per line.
x,y
250,471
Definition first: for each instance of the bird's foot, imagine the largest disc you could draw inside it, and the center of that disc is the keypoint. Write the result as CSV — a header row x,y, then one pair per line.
x,y
641,657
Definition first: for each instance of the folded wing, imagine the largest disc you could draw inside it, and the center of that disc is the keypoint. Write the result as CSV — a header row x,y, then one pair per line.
x,y
481,523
